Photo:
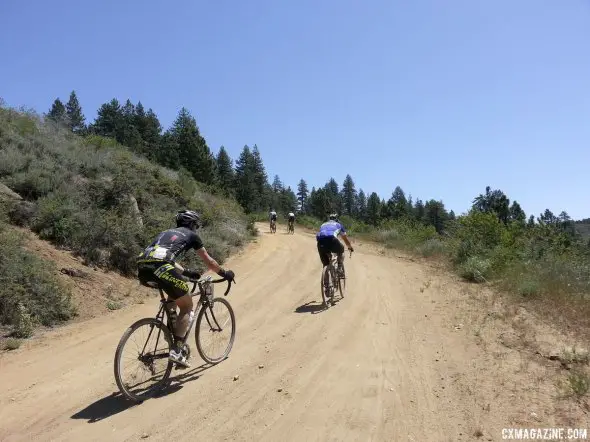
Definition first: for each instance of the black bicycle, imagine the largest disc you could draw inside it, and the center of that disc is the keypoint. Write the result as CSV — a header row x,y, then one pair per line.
x,y
291,228
333,278
273,226
153,368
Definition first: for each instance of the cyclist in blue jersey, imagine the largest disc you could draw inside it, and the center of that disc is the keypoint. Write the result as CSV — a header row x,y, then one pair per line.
x,y
327,240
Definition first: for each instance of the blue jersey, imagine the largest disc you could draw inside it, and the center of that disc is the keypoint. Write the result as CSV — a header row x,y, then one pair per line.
x,y
330,228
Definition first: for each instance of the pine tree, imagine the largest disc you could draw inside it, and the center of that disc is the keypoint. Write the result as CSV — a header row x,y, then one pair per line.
x,y
361,206
277,185
302,195
57,112
349,196
194,154
397,205
109,121
517,215
245,181
373,209
225,172
151,134
419,211
75,117
436,214
260,178
130,135
333,195
320,203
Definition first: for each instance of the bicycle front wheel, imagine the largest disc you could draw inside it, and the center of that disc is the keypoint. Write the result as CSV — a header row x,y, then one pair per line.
x,y
141,364
215,330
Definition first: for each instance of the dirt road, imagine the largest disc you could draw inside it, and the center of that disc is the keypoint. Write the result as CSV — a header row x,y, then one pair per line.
x,y
384,364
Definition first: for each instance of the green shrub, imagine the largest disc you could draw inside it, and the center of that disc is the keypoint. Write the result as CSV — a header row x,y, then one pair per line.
x,y
12,344
30,293
475,269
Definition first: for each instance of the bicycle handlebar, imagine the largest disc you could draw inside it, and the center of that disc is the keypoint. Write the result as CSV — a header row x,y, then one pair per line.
x,y
214,281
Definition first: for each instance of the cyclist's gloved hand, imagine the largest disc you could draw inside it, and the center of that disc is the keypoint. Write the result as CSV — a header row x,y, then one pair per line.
x,y
191,274
227,274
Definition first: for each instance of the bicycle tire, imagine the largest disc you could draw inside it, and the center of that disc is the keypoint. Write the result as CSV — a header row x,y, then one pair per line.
x,y
117,361
325,298
341,282
200,317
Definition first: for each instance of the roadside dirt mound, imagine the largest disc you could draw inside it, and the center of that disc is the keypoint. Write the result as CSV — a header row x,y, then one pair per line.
x,y
95,292
404,356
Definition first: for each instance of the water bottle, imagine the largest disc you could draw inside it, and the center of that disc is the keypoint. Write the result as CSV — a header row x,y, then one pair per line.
x,y
191,315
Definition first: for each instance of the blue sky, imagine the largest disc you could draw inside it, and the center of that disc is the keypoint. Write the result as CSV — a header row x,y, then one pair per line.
x,y
439,97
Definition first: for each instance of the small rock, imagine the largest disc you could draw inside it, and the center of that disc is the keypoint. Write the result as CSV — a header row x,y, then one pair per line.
x,y
145,436
236,377
261,366
391,389
458,326
279,390
12,399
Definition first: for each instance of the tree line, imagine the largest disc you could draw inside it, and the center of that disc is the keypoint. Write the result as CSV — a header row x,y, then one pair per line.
x,y
246,179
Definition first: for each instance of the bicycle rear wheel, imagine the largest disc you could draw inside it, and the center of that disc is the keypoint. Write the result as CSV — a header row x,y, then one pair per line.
x,y
326,287
219,326
152,367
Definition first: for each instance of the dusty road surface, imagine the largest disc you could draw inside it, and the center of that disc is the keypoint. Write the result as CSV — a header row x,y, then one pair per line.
x,y
383,364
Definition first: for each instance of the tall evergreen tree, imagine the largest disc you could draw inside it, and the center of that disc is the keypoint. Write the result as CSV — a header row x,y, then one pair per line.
x,y
361,206
245,180
436,214
349,196
302,195
260,178
419,211
397,205
57,112
225,171
194,154
109,121
151,134
130,135
517,215
320,205
75,117
373,209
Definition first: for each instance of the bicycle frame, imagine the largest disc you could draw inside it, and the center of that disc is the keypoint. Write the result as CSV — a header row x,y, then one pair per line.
x,y
206,295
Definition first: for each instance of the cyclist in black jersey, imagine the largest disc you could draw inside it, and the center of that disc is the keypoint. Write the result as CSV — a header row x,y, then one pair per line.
x,y
157,264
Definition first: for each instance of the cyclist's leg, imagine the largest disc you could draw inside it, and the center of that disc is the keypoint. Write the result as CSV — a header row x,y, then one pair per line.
x,y
323,252
338,248
176,287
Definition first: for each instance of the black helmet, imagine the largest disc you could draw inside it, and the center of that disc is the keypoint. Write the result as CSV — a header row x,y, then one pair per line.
x,y
188,218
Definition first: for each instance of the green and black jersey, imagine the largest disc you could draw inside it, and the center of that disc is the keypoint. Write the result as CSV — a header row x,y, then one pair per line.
x,y
169,245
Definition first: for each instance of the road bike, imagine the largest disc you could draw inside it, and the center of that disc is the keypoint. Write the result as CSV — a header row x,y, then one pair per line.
x,y
333,280
152,361
273,226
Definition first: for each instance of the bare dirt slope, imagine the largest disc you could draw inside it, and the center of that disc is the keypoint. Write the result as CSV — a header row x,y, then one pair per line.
x,y
389,362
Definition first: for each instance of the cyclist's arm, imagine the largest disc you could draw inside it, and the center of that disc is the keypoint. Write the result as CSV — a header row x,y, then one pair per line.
x,y
208,260
346,240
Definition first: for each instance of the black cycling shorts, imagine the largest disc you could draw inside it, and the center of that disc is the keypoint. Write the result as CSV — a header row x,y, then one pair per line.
x,y
327,245
166,275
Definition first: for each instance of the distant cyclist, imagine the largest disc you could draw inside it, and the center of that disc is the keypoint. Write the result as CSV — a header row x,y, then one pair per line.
x,y
273,218
157,264
327,241
291,218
